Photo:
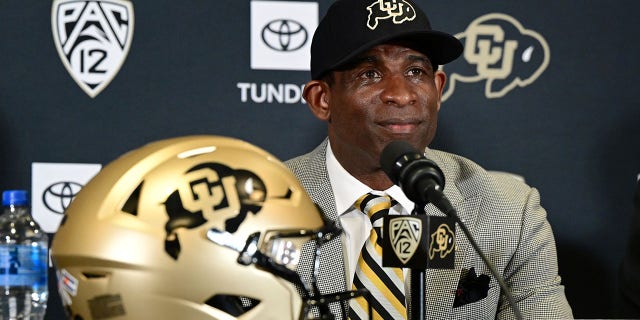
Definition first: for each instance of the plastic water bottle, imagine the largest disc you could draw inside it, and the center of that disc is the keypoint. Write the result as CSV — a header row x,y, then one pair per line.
x,y
23,260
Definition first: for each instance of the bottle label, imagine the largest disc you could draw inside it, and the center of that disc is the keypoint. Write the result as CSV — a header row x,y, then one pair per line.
x,y
23,265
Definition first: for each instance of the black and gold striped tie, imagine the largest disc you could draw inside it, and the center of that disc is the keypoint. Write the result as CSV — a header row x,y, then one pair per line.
x,y
386,285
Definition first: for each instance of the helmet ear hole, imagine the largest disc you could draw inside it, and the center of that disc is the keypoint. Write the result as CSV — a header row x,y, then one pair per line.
x,y
233,305
95,275
131,205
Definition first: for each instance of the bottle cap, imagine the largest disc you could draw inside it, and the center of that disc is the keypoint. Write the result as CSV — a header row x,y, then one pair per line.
x,y
14,197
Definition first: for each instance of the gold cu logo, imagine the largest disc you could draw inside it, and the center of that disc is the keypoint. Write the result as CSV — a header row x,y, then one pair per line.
x,y
441,241
501,51
398,10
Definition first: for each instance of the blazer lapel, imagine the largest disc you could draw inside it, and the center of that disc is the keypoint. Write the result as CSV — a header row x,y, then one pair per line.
x,y
442,283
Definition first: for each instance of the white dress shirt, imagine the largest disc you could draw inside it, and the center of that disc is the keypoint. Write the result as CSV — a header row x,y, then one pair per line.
x,y
356,225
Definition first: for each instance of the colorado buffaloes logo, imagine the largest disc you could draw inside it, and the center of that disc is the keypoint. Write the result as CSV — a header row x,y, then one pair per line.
x,y
500,51
405,234
398,11
93,38
442,241
211,187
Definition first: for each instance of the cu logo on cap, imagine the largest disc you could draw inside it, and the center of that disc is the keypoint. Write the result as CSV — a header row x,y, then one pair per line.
x,y
284,35
399,12
58,196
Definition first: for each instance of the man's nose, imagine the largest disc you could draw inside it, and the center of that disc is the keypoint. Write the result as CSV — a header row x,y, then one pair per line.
x,y
398,90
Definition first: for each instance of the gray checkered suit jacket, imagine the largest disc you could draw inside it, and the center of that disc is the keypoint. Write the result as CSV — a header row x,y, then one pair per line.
x,y
506,220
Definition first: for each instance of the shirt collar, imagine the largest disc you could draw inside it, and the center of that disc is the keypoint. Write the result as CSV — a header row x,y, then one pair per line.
x,y
347,189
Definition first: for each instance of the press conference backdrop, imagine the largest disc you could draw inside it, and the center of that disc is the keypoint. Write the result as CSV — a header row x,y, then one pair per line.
x,y
545,90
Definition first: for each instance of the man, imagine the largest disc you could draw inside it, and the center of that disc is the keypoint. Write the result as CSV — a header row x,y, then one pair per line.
x,y
375,79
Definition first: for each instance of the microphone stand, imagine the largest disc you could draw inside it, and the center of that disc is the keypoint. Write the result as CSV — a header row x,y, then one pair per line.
x,y
418,285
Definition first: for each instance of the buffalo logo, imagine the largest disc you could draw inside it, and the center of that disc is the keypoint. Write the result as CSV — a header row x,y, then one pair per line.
x,y
442,241
58,196
211,187
284,35
398,11
93,39
405,234
500,51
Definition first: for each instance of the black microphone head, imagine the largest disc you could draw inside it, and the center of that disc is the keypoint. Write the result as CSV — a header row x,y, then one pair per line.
x,y
395,157
411,170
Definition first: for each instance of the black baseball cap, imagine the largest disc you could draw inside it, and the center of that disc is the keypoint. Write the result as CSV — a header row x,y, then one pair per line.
x,y
351,27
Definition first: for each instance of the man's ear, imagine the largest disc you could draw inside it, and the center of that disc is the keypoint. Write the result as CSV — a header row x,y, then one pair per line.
x,y
440,79
316,93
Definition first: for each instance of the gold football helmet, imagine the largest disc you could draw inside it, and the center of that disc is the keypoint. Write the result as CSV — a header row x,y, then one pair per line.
x,y
196,227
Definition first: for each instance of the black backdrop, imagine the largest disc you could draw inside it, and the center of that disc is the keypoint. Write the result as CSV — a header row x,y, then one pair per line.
x,y
573,131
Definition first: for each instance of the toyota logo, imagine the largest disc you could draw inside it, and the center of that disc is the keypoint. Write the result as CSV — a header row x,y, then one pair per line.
x,y
58,196
284,35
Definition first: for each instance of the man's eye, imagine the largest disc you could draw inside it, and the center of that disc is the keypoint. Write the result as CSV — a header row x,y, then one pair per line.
x,y
416,71
370,74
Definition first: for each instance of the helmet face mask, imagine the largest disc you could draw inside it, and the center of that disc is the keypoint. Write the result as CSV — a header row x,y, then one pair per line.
x,y
278,252
198,227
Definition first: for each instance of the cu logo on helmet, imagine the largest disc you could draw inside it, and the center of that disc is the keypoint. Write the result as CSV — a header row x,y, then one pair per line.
x,y
58,196
284,35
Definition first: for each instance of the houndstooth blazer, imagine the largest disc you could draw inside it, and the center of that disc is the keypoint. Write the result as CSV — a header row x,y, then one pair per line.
x,y
503,215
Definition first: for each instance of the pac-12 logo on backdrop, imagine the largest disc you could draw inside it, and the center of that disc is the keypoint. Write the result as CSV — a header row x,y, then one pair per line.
x,y
93,39
500,52
281,34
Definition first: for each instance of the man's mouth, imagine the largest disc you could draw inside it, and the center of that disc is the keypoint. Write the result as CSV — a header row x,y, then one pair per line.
x,y
400,126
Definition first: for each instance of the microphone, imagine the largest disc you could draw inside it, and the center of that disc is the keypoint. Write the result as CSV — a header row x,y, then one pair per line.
x,y
419,178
